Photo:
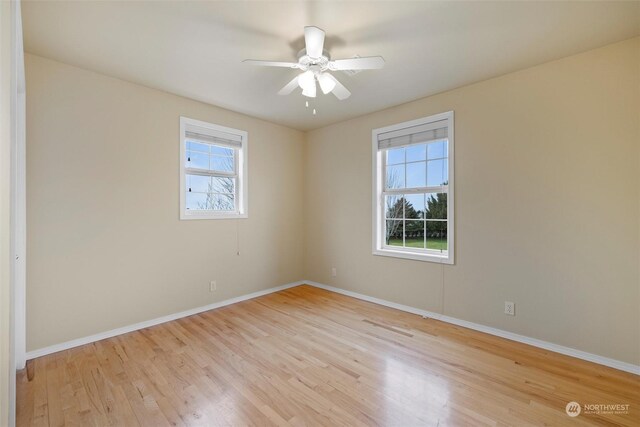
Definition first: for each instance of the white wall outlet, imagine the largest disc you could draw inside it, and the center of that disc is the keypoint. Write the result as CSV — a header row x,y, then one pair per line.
x,y
213,286
334,272
510,308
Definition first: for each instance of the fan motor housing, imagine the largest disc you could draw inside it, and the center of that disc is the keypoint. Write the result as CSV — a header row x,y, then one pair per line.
x,y
306,61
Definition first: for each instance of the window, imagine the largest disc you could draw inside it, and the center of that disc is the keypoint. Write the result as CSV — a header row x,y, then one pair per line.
x,y
413,189
213,171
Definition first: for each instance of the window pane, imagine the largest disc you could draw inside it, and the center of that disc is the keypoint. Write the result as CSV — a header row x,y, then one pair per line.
x,y
395,176
395,156
416,174
437,235
223,164
416,153
437,172
210,201
198,184
219,150
197,160
437,150
223,202
194,146
394,232
222,185
196,201
393,206
415,206
436,206
414,234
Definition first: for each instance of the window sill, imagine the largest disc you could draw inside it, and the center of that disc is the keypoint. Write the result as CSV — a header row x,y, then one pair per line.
x,y
440,259
185,216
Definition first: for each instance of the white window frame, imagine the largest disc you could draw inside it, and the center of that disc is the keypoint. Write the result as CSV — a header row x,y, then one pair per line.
x,y
242,169
379,172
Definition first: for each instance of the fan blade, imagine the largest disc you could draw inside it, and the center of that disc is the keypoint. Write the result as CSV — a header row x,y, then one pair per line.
x,y
289,87
314,41
339,90
271,63
366,63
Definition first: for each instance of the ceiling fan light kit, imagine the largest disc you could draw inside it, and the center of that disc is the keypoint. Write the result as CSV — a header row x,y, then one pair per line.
x,y
310,91
316,63
326,83
307,81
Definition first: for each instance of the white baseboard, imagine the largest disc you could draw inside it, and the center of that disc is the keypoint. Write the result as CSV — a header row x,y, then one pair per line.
x,y
568,351
125,329
579,354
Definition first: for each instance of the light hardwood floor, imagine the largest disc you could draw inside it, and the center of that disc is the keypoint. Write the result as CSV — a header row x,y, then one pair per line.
x,y
306,356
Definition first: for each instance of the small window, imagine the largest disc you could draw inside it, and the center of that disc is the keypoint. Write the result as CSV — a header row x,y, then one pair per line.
x,y
413,189
213,171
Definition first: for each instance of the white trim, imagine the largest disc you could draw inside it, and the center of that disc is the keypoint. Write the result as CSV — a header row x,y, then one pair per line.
x,y
378,189
13,120
242,171
579,354
409,254
568,351
147,323
18,201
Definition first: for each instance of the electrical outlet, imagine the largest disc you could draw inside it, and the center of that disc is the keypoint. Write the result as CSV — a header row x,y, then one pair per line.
x,y
334,272
213,286
510,308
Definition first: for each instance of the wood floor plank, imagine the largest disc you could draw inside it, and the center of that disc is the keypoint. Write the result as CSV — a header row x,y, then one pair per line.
x,y
306,356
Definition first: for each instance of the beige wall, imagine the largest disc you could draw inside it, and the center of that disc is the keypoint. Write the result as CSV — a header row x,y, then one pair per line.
x,y
547,207
105,246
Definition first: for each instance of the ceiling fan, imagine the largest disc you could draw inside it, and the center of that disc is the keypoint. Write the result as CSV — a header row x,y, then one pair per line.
x,y
315,64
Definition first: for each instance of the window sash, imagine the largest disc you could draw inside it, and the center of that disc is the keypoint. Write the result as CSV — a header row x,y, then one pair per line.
x,y
212,172
384,220
215,174
383,155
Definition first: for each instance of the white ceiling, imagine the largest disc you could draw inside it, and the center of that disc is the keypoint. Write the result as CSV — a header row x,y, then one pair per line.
x,y
195,49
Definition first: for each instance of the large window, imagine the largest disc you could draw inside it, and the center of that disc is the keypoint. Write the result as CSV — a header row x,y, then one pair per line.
x,y
213,171
413,189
